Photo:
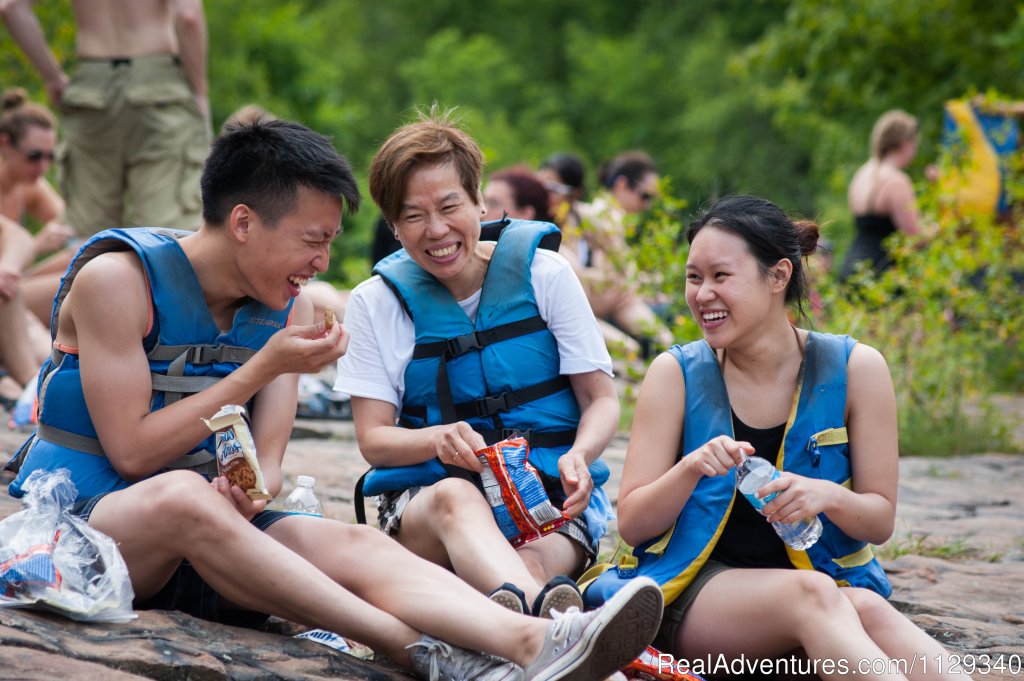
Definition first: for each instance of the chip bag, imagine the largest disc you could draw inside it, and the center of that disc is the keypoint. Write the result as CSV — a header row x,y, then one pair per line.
x,y
236,451
653,665
52,560
516,494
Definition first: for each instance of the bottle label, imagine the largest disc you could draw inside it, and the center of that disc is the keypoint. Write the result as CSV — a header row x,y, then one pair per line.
x,y
752,496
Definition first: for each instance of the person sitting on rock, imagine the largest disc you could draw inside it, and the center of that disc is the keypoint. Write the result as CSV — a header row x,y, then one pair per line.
x,y
216,317
546,371
822,408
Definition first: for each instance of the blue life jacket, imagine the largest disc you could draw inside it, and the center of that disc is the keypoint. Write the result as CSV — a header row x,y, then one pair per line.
x,y
499,373
187,353
815,445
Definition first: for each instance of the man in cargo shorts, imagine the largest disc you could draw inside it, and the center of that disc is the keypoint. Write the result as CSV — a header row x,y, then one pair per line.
x,y
135,113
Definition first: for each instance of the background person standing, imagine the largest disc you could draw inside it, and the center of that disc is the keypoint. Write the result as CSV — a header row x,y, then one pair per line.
x,y
135,113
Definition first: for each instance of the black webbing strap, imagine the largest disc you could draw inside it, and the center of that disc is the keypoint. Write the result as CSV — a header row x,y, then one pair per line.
x,y
460,345
491,405
358,500
559,438
472,341
509,400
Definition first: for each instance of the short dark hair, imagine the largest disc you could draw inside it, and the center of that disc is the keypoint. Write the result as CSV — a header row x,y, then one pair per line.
x,y
262,162
436,138
568,167
769,233
632,165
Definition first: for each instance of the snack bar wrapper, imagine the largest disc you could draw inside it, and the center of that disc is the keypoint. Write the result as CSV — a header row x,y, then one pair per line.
x,y
236,452
516,494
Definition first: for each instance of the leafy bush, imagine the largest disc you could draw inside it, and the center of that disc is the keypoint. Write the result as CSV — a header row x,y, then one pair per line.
x,y
947,318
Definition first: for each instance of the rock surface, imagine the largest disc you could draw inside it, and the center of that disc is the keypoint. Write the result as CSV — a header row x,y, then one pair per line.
x,y
956,561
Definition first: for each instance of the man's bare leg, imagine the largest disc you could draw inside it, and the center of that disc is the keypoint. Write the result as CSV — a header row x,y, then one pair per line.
x,y
174,516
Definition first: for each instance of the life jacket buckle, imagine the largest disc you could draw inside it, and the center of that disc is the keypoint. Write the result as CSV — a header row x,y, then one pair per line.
x,y
463,344
492,404
627,567
203,354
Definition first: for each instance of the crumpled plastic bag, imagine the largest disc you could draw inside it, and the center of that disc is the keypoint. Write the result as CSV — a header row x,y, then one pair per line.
x,y
52,560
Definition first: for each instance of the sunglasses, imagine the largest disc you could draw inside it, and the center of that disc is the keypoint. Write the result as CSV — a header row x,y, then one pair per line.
x,y
37,155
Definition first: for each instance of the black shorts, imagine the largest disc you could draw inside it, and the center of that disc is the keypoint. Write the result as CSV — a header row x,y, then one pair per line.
x,y
186,591
676,610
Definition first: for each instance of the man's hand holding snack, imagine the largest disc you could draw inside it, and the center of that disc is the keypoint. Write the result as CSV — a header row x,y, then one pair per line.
x,y
305,349
237,496
576,482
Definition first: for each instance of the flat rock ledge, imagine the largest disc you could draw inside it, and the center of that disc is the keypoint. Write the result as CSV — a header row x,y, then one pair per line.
x,y
956,561
168,646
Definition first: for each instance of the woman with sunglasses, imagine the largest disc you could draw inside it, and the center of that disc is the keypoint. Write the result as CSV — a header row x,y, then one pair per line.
x,y
600,255
27,139
28,136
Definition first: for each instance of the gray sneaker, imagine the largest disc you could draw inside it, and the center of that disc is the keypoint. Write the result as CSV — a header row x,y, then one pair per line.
x,y
583,646
437,661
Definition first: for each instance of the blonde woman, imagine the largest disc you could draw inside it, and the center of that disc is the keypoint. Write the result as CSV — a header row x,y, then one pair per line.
x,y
881,195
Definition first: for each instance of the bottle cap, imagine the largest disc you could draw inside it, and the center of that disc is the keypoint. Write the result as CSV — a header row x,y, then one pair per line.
x,y
305,481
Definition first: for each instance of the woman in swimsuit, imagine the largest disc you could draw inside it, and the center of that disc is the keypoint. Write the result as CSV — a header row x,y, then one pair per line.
x,y
881,195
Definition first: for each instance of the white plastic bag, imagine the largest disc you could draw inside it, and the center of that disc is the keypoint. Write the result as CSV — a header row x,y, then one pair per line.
x,y
52,560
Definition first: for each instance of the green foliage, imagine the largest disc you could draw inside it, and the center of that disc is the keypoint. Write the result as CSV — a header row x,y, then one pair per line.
x,y
939,316
921,544
831,67
943,317
772,97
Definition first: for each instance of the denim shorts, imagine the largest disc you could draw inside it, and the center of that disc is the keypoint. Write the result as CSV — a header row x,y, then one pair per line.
x,y
186,591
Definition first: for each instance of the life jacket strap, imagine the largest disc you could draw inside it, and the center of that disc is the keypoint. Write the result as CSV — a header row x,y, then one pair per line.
x,y
546,440
175,384
477,340
65,438
201,461
182,384
201,354
499,403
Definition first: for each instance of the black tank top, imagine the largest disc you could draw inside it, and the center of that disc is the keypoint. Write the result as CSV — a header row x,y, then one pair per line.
x,y
869,244
748,540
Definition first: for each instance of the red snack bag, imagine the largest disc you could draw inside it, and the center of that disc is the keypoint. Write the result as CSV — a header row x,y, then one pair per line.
x,y
654,665
516,494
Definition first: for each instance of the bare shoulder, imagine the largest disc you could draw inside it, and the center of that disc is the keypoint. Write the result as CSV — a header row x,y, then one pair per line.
x,y
664,378
866,358
895,186
868,373
110,289
111,272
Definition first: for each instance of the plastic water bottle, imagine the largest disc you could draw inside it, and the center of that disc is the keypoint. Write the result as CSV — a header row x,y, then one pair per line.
x,y
753,474
303,499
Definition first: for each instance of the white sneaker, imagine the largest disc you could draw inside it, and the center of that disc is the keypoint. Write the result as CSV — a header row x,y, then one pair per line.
x,y
437,661
583,646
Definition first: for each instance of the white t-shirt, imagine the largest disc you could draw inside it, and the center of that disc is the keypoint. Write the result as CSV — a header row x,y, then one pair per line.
x,y
382,335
